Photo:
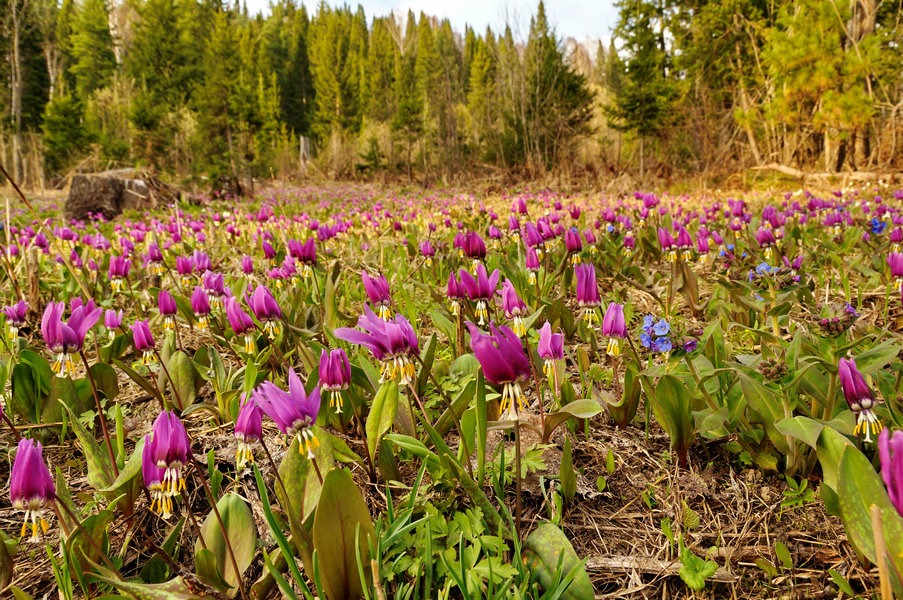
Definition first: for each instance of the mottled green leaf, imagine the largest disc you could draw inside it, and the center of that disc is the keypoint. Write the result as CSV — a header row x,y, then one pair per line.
x,y
342,532
238,525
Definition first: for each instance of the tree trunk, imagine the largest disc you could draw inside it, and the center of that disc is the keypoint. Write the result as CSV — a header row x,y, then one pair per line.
x,y
642,156
16,85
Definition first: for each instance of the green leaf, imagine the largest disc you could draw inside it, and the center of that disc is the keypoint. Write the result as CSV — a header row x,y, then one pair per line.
x,y
184,375
783,554
841,582
382,415
694,571
860,487
175,589
100,468
566,474
8,549
83,550
301,481
802,428
238,525
546,550
579,409
427,355
672,407
414,446
131,470
342,517
208,570
106,380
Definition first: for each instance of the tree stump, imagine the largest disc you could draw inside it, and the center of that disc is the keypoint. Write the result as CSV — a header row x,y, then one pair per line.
x,y
107,193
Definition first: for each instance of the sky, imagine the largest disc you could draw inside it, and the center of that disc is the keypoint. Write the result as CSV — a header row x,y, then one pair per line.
x,y
581,19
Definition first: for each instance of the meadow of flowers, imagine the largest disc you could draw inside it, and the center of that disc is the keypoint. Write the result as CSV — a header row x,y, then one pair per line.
x,y
349,393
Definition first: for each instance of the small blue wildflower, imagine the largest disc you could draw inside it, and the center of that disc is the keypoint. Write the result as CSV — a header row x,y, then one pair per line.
x,y
661,328
662,345
730,247
646,340
610,228
759,298
850,310
648,321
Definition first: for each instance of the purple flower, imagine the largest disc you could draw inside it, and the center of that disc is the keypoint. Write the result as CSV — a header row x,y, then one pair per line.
x,y
690,346
119,270
266,309
144,341
668,244
294,411
215,286
455,293
513,307
67,338
307,254
480,289
168,308
247,265
587,291
241,323
474,246
31,487
200,304
377,289
335,375
859,397
532,264
890,450
185,267
550,349
112,321
392,342
15,317
428,252
170,450
153,480
248,429
614,326
573,245
895,260
501,355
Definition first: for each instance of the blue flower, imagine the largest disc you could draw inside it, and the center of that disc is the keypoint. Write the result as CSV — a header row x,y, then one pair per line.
x,y
661,328
648,321
646,340
759,298
850,310
878,226
689,346
730,247
610,228
752,275
662,345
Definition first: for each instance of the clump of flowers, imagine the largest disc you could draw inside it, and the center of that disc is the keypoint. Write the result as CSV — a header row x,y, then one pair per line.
x,y
655,334
836,319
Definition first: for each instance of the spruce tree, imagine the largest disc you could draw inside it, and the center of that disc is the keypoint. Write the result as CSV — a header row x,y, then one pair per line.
x,y
92,48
